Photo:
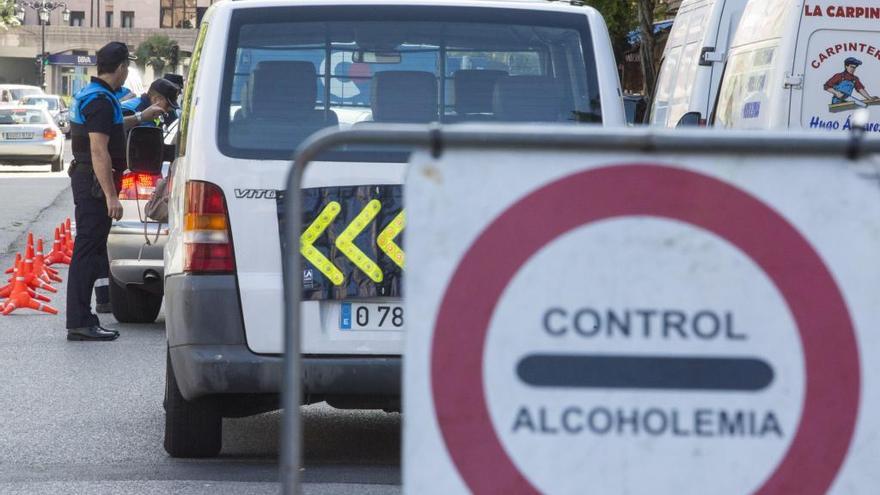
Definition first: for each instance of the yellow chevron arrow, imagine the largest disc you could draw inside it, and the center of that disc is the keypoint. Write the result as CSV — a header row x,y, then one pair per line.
x,y
345,241
386,239
311,234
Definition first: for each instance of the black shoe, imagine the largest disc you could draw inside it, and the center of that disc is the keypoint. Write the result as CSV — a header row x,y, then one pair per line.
x,y
103,308
108,329
91,333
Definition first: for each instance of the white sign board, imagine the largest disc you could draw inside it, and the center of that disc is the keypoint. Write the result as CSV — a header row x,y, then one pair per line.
x,y
586,322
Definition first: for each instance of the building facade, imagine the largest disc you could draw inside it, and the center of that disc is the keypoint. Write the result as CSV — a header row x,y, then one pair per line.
x,y
72,45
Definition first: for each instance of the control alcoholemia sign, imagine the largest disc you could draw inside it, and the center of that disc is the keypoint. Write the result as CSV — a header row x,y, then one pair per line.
x,y
625,323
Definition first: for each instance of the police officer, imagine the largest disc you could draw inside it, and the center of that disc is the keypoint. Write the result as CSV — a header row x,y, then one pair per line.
x,y
98,141
162,93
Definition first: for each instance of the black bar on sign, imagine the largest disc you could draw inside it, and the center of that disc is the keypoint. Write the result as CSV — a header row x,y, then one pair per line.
x,y
645,372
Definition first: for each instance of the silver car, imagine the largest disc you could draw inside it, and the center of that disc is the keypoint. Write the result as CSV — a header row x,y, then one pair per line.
x,y
57,109
29,136
135,248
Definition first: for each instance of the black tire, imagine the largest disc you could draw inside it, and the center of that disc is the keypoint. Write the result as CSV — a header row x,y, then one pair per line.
x,y
58,164
132,305
192,428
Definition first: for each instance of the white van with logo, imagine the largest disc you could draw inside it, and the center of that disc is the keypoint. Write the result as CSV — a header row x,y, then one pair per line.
x,y
693,60
265,75
803,64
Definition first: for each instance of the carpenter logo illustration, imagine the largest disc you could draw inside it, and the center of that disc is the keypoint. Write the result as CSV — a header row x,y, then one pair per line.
x,y
842,86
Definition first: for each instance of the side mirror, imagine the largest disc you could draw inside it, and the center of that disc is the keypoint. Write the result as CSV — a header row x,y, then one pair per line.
x,y
144,150
690,119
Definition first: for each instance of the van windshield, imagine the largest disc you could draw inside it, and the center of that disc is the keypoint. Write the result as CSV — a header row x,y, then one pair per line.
x,y
293,71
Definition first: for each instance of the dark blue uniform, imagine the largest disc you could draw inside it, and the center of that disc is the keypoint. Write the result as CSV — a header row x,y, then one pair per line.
x,y
95,109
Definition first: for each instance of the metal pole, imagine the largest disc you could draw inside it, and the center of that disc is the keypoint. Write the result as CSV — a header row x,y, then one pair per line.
x,y
43,51
291,393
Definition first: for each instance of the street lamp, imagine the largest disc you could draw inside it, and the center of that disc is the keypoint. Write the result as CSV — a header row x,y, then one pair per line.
x,y
43,7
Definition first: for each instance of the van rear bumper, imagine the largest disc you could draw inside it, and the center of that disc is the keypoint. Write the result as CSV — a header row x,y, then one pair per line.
x,y
217,370
210,356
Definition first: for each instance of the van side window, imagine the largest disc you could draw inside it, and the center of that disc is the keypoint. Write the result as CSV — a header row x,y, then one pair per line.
x,y
190,89
742,99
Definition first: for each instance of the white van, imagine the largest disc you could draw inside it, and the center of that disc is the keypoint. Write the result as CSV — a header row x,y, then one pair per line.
x,y
803,64
693,60
265,75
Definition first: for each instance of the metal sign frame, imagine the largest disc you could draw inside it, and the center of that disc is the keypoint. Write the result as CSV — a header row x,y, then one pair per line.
x,y
549,137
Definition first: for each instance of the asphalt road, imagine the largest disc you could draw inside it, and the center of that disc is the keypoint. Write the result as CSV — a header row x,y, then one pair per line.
x,y
87,418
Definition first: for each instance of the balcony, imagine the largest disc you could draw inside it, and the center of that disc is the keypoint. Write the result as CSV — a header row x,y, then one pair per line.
x,y
24,41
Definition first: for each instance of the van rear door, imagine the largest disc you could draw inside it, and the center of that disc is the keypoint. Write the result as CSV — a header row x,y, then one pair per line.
x,y
291,71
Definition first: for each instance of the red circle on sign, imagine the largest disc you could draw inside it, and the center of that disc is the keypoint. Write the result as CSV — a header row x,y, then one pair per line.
x,y
826,331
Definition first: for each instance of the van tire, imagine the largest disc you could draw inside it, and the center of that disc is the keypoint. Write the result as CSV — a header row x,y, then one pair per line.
x,y
192,428
132,305
58,164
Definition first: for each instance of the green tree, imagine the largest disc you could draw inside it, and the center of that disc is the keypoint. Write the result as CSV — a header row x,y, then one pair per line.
x,y
625,16
7,14
620,16
157,51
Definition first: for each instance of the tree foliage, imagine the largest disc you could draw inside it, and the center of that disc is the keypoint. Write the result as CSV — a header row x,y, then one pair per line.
x,y
7,14
625,16
620,16
158,51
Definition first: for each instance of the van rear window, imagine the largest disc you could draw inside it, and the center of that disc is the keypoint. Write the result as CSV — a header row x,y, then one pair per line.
x,y
293,71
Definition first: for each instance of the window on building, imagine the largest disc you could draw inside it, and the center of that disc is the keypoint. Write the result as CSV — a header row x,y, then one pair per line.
x,y
127,19
77,18
180,14
108,20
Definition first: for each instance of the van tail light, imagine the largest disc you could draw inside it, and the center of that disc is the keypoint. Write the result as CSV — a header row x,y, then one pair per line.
x,y
49,134
136,185
206,236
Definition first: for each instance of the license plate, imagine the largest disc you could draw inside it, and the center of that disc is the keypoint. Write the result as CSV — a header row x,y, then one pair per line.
x,y
18,135
370,316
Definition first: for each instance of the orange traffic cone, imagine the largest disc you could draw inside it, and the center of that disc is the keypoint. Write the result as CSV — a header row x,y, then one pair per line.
x,y
45,273
6,290
70,240
57,255
26,270
22,299
14,264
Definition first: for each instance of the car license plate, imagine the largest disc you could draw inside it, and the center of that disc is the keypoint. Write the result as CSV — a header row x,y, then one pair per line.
x,y
370,316
18,135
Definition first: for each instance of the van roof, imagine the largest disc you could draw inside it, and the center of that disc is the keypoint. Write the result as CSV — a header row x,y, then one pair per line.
x,y
571,6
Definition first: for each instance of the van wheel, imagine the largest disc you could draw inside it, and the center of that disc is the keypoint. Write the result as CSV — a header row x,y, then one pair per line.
x,y
132,305
192,428
58,164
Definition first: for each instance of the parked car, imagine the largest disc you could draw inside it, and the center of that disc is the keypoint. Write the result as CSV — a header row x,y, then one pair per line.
x,y
29,136
57,109
136,245
254,69
13,93
694,60
798,64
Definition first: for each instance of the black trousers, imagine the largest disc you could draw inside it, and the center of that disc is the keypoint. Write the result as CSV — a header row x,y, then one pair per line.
x,y
89,262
